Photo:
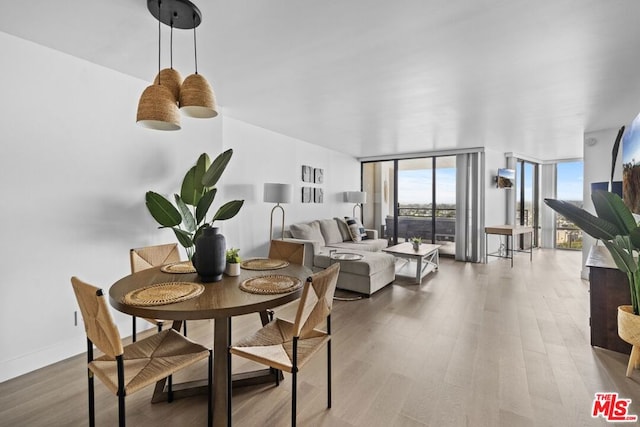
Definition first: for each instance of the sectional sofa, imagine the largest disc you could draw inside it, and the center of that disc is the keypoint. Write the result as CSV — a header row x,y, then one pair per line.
x,y
374,271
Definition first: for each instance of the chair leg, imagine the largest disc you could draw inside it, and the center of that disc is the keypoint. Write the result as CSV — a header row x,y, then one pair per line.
x,y
329,374
294,395
185,328
170,388
92,406
121,418
92,410
133,328
210,394
160,327
229,379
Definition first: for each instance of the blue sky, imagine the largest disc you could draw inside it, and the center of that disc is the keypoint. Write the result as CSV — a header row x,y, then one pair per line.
x,y
570,181
415,185
631,142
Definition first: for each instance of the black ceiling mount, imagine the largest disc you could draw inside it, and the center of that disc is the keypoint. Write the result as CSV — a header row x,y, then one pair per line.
x,y
175,13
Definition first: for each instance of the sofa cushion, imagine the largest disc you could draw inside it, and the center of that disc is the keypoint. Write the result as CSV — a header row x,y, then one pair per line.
x,y
370,264
330,231
356,230
310,231
344,229
369,245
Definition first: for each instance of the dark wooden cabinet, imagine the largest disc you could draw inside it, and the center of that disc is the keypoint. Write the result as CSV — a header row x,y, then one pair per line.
x,y
608,289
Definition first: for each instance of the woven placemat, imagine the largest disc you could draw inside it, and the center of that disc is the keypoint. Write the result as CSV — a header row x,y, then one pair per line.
x,y
263,264
182,267
163,293
271,284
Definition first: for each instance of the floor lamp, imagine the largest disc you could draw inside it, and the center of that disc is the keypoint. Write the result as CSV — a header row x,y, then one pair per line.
x,y
277,193
357,197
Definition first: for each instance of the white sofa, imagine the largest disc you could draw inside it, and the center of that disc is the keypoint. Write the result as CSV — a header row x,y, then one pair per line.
x,y
373,272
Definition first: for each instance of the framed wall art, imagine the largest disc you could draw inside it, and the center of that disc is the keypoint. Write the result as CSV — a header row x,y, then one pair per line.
x,y
307,174
307,193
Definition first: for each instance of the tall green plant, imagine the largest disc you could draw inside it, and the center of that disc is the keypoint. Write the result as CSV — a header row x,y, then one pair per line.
x,y
615,226
197,193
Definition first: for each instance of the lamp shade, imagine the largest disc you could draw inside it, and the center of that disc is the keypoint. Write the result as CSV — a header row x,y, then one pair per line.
x,y
277,193
157,109
197,98
171,79
355,196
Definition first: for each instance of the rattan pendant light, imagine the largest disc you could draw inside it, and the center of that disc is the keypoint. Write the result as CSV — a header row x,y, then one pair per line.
x,y
158,105
157,108
196,95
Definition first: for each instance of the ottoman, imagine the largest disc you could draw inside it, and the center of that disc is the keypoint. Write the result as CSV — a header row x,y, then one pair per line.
x,y
367,275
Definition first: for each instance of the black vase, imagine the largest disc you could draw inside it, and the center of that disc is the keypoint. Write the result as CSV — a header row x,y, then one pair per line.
x,y
209,258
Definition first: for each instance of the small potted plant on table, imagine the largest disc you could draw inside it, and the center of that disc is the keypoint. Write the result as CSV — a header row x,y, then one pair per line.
x,y
233,262
416,241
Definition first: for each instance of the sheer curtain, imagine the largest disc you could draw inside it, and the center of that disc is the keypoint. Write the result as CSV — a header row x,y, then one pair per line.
x,y
469,207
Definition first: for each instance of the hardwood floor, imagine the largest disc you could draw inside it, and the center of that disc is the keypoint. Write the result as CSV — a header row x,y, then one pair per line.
x,y
473,345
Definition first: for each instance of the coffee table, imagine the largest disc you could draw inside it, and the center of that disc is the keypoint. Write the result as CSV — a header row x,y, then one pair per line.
x,y
427,257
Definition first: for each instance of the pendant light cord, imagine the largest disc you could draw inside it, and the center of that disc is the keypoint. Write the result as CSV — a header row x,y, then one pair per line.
x,y
195,48
159,36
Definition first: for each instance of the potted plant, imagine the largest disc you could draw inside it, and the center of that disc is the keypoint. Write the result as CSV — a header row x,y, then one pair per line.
x,y
416,241
616,227
233,262
188,218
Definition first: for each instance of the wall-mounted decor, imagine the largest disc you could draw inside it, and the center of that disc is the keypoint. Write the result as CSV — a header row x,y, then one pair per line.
x,y
318,176
631,165
318,195
307,174
307,193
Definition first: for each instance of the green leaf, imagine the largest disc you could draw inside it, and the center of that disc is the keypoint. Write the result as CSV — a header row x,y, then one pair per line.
x,y
187,216
624,261
228,210
162,210
597,228
183,237
202,166
204,204
218,166
635,238
190,191
610,207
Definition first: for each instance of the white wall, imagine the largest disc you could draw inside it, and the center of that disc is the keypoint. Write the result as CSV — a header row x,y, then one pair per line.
x,y
74,171
597,168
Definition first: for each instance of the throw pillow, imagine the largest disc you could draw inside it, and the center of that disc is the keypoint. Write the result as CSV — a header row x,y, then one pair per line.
x,y
309,231
344,229
356,230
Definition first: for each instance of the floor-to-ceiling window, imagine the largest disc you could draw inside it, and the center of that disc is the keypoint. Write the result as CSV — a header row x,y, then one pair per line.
x,y
569,186
527,195
413,198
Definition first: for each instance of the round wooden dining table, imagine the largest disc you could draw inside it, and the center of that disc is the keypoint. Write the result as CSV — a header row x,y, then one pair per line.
x,y
219,301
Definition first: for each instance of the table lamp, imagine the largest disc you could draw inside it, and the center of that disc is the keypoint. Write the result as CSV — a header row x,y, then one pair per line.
x,y
357,197
277,193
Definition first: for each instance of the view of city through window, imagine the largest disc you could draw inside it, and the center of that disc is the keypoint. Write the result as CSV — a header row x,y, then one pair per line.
x,y
569,188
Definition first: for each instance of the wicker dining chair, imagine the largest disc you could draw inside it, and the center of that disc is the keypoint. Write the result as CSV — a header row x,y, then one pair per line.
x,y
148,257
287,346
287,251
126,370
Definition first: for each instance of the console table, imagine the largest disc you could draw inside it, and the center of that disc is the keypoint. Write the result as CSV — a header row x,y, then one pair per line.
x,y
509,231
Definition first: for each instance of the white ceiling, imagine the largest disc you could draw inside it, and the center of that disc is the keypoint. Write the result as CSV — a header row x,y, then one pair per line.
x,y
370,77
